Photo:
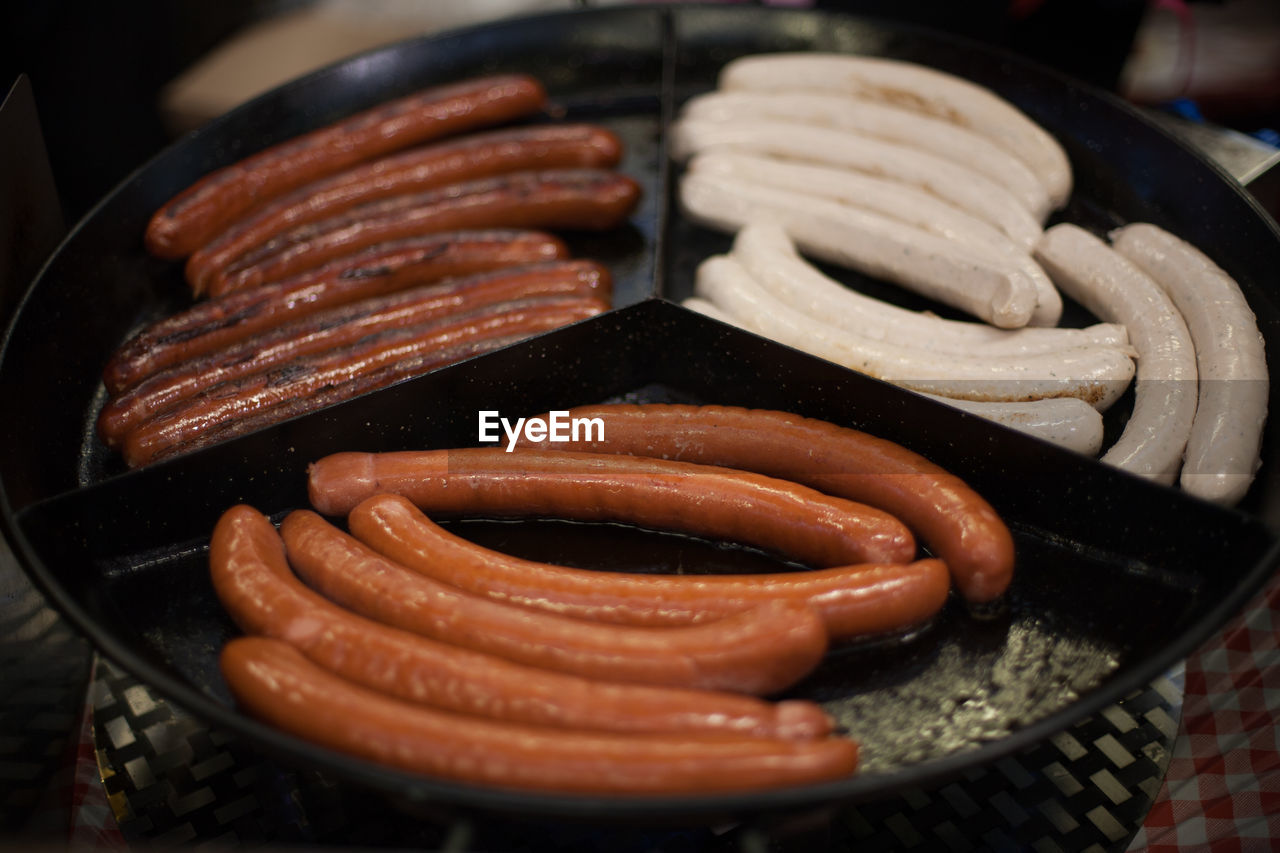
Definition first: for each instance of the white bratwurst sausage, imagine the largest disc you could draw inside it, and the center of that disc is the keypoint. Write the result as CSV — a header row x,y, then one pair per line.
x,y
882,121
1064,421
915,87
1103,281
888,198
1223,450
954,184
766,251
1097,375
933,266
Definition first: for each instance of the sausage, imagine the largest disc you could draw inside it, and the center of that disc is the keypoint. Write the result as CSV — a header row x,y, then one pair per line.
x,y
309,382
342,326
887,198
216,323
466,158
759,651
593,199
737,506
1226,436
915,87
253,581
1097,375
1065,421
197,214
765,251
1114,289
955,522
275,683
948,181
992,289
884,121
291,407
854,601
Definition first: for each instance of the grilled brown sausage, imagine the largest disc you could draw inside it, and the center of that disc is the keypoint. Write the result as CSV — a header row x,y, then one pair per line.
x,y
217,323
194,216
955,522
342,326
759,651
310,382
470,157
557,198
252,579
854,601
736,506
275,683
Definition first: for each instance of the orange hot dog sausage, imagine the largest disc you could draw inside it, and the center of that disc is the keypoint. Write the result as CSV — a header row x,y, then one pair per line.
x,y
216,323
194,216
760,651
956,523
593,199
311,381
342,326
275,683
253,581
736,506
466,158
853,601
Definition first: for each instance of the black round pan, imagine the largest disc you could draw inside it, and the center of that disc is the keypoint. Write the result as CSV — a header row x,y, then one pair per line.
x,y
1117,580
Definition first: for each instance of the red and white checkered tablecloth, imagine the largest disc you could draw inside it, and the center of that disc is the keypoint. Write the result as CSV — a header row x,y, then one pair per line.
x,y
1222,788
93,823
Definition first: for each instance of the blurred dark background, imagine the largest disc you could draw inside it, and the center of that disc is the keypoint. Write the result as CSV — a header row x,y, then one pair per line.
x,y
115,82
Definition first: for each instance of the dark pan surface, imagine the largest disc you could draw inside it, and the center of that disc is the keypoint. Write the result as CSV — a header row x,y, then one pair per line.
x,y
1118,578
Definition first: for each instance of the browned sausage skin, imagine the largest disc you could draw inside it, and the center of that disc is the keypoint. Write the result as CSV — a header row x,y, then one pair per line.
x,y
274,682
956,523
309,382
470,157
854,601
194,216
593,199
760,651
253,581
216,323
736,506
342,326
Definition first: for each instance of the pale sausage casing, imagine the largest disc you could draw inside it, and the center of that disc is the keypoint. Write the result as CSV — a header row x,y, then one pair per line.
x,y
1223,449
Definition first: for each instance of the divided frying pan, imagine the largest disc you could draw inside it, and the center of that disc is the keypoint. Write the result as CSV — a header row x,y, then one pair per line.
x,y
1117,578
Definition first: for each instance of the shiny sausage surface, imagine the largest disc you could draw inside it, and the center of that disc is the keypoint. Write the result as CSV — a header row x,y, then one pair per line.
x,y
736,506
593,199
252,579
760,651
853,601
955,522
342,326
312,381
194,216
215,323
461,159
274,682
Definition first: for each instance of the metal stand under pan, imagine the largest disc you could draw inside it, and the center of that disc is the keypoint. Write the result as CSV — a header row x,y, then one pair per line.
x,y
171,780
